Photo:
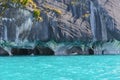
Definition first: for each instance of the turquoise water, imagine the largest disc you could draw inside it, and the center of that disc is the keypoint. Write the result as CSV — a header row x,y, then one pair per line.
x,y
60,68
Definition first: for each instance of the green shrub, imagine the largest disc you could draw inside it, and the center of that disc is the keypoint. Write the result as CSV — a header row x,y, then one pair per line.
x,y
36,13
24,2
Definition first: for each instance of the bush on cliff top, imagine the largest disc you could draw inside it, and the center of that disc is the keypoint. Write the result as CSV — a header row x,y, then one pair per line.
x,y
29,4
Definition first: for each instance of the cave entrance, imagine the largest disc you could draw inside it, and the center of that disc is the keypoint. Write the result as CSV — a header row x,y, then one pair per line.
x,y
91,51
21,51
43,51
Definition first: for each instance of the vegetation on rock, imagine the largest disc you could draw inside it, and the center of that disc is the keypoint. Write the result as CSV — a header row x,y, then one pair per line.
x,y
29,4
36,14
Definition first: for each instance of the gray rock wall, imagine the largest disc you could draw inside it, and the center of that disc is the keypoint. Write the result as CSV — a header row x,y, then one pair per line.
x,y
80,20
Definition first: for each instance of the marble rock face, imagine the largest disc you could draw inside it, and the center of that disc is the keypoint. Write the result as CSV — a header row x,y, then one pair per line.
x,y
64,20
97,20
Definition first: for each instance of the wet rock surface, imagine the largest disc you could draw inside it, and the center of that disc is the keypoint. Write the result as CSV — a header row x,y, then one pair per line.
x,y
75,51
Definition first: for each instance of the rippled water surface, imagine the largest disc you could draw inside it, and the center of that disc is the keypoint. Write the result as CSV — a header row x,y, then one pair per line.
x,y
60,68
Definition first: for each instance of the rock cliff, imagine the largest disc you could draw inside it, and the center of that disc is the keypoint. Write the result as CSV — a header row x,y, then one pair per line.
x,y
67,26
